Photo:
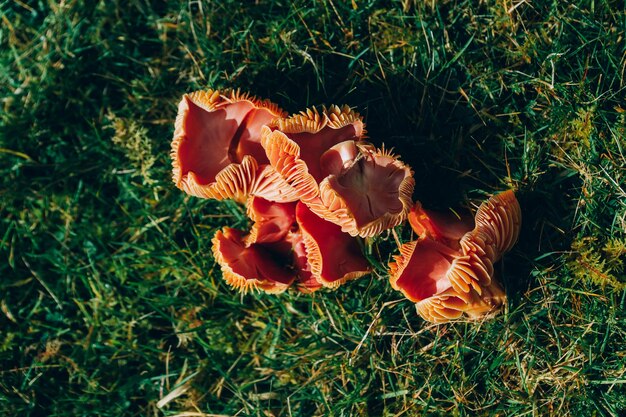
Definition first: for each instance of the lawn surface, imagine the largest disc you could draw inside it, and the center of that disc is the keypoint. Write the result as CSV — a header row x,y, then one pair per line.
x,y
111,303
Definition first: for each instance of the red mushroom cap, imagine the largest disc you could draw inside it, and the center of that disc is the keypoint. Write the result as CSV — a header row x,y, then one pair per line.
x,y
216,150
341,178
366,190
287,244
335,257
261,266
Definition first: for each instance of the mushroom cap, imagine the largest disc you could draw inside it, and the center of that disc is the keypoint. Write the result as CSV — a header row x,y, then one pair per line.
x,y
216,148
295,145
334,256
494,229
256,266
366,190
443,283
272,257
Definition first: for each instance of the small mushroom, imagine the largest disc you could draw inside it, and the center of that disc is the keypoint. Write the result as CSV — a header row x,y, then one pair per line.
x,y
365,191
253,266
264,259
448,271
216,150
341,178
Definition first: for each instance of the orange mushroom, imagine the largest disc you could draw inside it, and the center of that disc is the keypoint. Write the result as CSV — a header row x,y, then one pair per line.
x,y
365,191
448,271
251,266
340,177
216,150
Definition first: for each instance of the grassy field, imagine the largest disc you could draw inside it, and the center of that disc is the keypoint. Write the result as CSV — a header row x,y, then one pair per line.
x,y
111,303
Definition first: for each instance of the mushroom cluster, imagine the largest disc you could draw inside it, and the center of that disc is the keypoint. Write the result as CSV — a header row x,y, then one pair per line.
x,y
449,271
312,187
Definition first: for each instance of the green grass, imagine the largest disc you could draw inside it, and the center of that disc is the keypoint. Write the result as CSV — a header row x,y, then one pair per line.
x,y
111,303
